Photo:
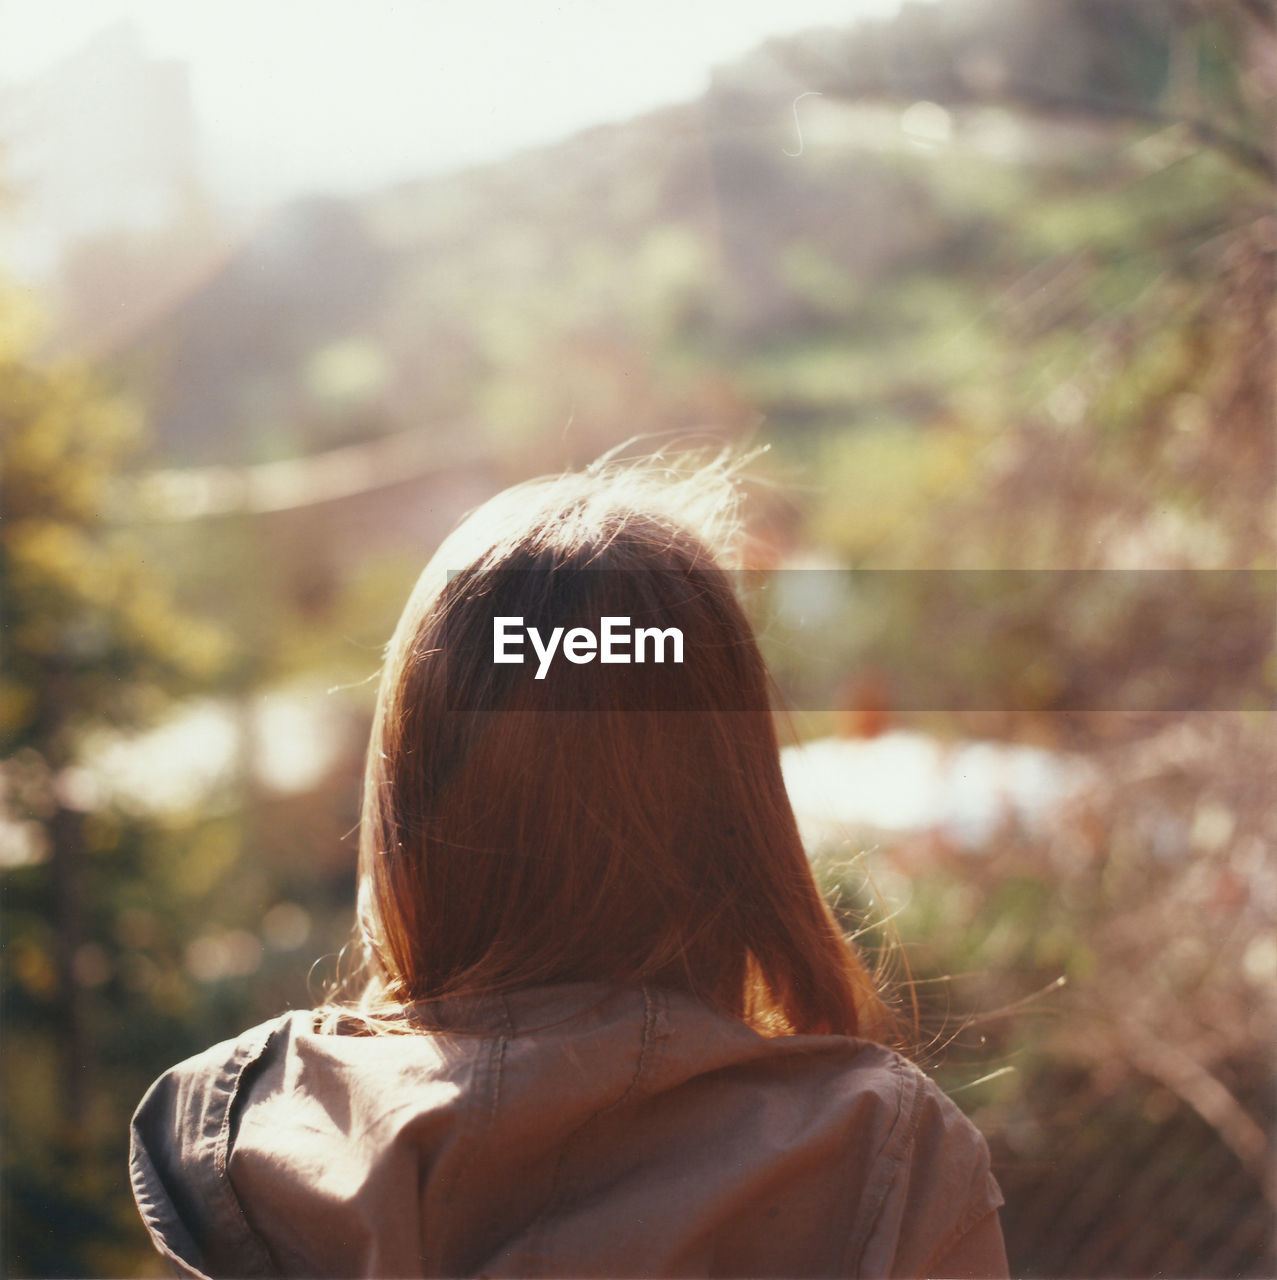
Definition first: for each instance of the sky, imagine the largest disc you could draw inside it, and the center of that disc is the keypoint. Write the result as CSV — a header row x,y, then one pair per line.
x,y
343,95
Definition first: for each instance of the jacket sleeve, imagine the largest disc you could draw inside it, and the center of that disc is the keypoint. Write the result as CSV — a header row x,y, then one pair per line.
x,y
940,1215
178,1147
978,1255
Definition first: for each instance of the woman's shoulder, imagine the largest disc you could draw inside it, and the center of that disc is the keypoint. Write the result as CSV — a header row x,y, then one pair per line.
x,y
916,1169
177,1154
889,1171
934,1180
187,1093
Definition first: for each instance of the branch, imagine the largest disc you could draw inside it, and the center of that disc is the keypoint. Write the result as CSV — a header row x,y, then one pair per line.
x,y
1189,1080
1207,132
1262,12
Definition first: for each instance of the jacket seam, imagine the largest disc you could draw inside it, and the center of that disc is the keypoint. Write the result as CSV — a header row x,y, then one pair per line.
x,y
494,1063
221,1154
536,1255
953,1237
891,1153
978,1207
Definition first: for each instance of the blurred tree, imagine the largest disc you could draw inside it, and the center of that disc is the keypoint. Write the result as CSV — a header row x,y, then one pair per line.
x,y
91,639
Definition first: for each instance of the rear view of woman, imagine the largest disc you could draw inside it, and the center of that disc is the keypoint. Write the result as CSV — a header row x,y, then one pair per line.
x,y
602,1022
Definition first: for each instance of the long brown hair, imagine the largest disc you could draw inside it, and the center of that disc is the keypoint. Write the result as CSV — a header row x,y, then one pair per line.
x,y
621,822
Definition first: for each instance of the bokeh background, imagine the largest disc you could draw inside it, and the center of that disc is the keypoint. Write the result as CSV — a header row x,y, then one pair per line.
x,y
288,288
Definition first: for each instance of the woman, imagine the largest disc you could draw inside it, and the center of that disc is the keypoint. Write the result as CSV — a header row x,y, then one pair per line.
x,y
602,1023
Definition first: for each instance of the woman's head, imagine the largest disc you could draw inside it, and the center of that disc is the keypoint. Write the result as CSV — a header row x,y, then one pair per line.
x,y
616,820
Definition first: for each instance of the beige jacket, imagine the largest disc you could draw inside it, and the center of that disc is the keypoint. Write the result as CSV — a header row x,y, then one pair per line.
x,y
567,1131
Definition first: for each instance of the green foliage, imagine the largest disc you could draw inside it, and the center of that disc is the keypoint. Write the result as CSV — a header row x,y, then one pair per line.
x,y
89,632
92,638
